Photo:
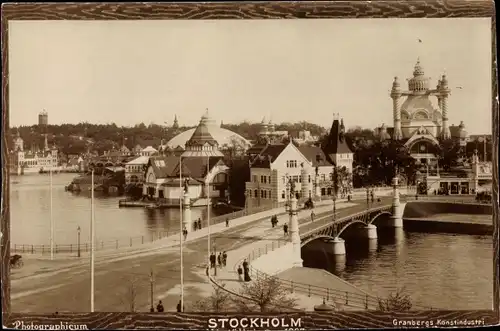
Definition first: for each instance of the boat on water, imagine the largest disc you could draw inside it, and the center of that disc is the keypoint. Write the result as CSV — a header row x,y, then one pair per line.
x,y
152,206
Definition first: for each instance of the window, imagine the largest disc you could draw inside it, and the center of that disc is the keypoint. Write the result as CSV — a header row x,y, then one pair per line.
x,y
283,178
256,193
269,179
254,178
309,178
296,179
323,177
265,194
270,194
288,164
282,194
300,179
262,193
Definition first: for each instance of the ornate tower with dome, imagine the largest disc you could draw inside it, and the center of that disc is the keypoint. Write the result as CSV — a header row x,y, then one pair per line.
x,y
420,116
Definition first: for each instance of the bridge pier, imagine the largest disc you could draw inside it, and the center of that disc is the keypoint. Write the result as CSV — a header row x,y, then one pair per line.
x,y
370,231
372,245
186,212
338,246
396,220
294,232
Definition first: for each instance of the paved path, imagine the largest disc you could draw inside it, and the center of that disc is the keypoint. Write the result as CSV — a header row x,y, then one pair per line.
x,y
67,289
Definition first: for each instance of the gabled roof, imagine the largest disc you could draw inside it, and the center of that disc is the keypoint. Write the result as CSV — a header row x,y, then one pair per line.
x,y
162,166
336,142
149,149
268,155
139,160
196,167
201,136
315,155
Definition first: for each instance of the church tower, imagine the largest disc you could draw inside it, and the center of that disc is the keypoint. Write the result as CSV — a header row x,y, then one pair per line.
x,y
175,126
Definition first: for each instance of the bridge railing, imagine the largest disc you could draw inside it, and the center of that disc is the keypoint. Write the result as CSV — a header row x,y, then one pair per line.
x,y
339,297
84,247
340,220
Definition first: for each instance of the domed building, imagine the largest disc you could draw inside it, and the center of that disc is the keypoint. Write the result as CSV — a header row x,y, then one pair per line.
x,y
421,116
225,138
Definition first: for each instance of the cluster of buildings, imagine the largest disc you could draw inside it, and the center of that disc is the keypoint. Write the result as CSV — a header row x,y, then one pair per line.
x,y
196,158
36,159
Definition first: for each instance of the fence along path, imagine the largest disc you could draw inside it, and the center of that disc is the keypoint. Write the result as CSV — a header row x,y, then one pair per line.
x,y
85,247
345,298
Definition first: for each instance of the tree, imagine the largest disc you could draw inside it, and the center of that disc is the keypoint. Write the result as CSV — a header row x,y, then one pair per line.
x,y
264,294
218,301
449,153
130,296
396,302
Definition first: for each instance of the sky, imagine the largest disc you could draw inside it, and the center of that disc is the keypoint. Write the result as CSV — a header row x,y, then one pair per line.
x,y
128,72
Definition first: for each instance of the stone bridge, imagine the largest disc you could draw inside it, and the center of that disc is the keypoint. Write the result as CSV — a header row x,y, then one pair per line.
x,y
363,219
390,215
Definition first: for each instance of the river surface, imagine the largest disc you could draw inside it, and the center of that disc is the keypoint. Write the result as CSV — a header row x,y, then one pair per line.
x,y
442,271
30,214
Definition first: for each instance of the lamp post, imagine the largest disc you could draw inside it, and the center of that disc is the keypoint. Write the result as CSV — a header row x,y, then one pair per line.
x,y
92,239
215,254
78,239
181,240
334,196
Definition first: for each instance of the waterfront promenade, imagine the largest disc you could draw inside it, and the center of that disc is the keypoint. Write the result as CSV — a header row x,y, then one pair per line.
x,y
66,288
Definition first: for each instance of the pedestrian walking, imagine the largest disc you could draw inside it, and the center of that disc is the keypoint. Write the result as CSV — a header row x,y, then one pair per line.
x,y
285,229
159,307
212,260
224,258
312,216
198,222
227,222
179,305
219,260
240,273
206,271
272,221
185,233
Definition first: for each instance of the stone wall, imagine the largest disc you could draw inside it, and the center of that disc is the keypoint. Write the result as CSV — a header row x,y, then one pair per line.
x,y
276,261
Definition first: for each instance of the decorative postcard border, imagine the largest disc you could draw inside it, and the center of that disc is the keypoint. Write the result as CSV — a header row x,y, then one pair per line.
x,y
241,10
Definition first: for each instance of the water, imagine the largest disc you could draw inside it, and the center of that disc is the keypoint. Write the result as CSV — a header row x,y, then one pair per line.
x,y
442,271
30,214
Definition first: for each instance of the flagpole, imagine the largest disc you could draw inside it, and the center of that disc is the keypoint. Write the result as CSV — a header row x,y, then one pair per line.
x,y
51,218
208,212
92,239
180,232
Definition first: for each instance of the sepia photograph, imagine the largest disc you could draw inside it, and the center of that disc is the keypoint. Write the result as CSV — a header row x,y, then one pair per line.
x,y
251,166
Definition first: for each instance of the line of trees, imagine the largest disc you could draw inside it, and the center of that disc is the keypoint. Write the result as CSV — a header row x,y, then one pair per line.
x,y
81,137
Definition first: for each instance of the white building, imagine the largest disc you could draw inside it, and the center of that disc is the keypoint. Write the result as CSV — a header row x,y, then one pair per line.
x,y
148,151
225,139
201,168
23,162
135,169
311,168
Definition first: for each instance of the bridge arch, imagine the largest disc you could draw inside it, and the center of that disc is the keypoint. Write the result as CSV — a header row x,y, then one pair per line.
x,y
374,218
320,236
345,227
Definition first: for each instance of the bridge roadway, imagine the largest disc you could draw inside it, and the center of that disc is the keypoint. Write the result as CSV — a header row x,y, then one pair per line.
x,y
67,289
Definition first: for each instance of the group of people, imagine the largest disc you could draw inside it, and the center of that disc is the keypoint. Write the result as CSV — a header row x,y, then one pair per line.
x,y
161,309
244,273
221,259
197,224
